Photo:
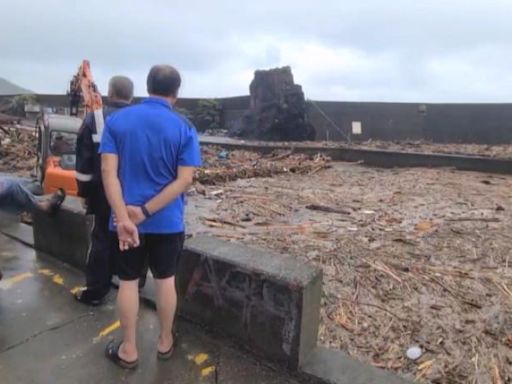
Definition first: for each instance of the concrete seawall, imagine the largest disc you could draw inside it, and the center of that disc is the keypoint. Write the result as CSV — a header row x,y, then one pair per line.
x,y
269,302
373,157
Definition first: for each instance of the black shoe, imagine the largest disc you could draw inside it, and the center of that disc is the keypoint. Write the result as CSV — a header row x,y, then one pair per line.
x,y
85,297
56,201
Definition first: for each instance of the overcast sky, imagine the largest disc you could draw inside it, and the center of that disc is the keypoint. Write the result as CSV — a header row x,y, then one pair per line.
x,y
369,50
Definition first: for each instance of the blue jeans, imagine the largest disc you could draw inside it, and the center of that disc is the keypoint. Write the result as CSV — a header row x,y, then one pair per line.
x,y
15,197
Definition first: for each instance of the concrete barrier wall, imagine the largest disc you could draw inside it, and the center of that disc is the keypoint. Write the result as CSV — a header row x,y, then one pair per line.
x,y
382,121
65,235
440,123
373,157
268,303
443,123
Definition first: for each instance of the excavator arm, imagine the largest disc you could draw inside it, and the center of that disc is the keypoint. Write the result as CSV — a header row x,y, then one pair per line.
x,y
83,87
57,165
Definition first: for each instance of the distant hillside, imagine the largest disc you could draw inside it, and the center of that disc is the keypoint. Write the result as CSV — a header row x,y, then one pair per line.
x,y
8,88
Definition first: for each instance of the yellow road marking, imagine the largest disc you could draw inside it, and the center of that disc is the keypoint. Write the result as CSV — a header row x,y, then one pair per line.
x,y
18,278
207,371
46,272
75,290
57,279
200,358
8,283
111,328
108,330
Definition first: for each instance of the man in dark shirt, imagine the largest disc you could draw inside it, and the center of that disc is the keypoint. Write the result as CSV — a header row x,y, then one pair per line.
x,y
100,260
149,153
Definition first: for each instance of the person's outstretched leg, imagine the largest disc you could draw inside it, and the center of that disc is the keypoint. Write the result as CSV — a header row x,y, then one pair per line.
x,y
15,198
128,307
166,300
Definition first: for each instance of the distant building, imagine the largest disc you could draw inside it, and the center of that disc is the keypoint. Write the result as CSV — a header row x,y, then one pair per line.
x,y
32,110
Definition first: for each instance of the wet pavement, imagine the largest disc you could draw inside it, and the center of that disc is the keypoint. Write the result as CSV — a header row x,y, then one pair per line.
x,y
47,337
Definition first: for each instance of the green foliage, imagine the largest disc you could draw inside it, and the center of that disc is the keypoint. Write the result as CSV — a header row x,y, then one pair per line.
x,y
26,99
16,105
185,113
208,115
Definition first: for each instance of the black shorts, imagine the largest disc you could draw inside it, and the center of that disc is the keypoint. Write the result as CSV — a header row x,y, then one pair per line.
x,y
161,252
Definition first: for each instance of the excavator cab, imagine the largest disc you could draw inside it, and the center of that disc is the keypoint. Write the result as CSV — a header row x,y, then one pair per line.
x,y
56,144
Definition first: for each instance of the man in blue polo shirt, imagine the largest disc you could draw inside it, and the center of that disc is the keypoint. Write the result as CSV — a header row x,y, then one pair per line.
x,y
149,153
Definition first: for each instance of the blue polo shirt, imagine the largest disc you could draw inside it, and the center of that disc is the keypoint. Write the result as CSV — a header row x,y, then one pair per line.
x,y
152,140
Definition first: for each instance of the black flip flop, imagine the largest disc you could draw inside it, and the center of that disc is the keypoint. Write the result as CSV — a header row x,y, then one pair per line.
x,y
167,355
56,200
112,353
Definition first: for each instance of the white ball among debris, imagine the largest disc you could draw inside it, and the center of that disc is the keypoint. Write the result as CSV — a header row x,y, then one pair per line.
x,y
414,353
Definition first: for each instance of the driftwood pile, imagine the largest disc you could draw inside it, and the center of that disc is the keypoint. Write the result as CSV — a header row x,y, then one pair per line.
x,y
221,166
18,150
411,257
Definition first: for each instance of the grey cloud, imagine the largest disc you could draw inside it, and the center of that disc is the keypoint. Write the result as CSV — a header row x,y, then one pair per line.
x,y
401,50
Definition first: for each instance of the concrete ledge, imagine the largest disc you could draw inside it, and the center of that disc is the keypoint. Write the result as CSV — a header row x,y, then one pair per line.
x,y
336,367
375,157
11,226
268,302
65,235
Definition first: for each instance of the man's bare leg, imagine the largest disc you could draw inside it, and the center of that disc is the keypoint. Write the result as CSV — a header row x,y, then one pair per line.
x,y
166,300
44,205
128,307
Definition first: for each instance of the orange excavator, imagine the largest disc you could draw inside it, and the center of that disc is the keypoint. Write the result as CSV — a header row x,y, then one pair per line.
x,y
57,135
83,87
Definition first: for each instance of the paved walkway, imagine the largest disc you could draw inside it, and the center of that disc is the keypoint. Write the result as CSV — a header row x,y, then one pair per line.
x,y
46,337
